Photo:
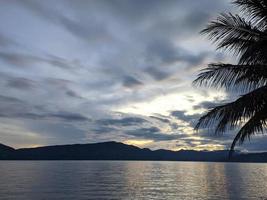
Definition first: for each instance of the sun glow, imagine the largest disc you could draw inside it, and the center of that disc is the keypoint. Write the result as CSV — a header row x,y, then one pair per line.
x,y
165,104
140,143
201,147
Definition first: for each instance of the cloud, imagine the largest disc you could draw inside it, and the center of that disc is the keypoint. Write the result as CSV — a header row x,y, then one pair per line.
x,y
21,83
152,133
210,104
131,82
85,32
67,116
164,120
68,67
127,121
27,60
8,99
5,41
73,94
58,133
206,105
181,115
18,59
165,52
157,74
103,129
71,117
11,107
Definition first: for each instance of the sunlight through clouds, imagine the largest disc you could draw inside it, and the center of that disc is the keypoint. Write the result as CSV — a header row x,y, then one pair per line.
x,y
166,103
140,143
69,67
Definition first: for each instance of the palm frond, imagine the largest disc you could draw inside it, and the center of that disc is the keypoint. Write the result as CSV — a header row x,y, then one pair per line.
x,y
230,115
234,33
245,35
240,77
255,53
255,10
231,26
255,124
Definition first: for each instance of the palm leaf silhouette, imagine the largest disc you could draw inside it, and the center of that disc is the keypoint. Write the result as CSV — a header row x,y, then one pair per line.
x,y
244,35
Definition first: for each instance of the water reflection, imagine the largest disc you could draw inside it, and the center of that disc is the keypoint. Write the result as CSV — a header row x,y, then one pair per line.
x,y
131,180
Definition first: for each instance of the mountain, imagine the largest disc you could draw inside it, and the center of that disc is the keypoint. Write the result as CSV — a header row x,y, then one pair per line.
x,y
120,151
5,151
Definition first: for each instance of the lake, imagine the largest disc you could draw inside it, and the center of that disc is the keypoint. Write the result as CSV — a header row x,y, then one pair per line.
x,y
132,180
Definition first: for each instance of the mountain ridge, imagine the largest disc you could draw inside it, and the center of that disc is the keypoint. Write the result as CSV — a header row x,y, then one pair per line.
x,y
119,151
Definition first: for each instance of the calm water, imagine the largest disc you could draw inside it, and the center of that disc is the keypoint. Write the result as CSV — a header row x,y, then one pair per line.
x,y
131,180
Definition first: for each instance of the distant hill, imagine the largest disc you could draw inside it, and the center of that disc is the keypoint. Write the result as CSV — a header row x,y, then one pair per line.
x,y
120,151
5,151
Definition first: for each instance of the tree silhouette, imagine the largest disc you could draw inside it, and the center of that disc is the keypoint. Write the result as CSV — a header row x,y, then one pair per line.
x,y
245,35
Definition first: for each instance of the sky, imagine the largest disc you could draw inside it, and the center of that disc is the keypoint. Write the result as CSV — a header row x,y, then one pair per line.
x,y
109,70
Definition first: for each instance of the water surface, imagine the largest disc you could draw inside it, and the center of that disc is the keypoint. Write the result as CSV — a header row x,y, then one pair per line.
x,y
131,180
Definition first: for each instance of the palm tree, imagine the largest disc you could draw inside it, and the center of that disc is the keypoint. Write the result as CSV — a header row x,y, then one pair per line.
x,y
245,35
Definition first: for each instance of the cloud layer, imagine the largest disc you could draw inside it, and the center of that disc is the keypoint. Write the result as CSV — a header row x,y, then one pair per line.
x,y
91,71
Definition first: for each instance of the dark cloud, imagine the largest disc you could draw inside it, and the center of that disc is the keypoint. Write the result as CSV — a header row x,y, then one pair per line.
x,y
18,59
196,20
58,82
21,83
72,93
67,116
162,54
11,107
157,74
134,11
60,62
208,104
174,126
8,99
164,120
131,82
152,133
127,121
27,60
72,117
181,115
91,30
99,129
163,50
